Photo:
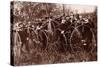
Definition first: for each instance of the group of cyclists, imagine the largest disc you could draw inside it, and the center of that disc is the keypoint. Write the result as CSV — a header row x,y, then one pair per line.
x,y
50,29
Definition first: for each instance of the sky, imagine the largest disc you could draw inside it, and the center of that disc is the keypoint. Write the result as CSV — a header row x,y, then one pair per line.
x,y
79,8
82,8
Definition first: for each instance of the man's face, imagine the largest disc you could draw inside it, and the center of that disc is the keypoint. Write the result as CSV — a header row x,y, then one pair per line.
x,y
80,17
71,16
67,18
29,23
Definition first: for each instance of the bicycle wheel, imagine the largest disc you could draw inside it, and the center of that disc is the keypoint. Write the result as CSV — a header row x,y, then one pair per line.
x,y
81,38
60,39
43,38
17,44
75,40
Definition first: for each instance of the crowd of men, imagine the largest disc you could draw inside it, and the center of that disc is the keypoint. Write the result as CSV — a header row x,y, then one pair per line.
x,y
46,21
49,25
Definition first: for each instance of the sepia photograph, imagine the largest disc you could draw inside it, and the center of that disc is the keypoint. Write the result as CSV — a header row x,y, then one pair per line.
x,y
52,33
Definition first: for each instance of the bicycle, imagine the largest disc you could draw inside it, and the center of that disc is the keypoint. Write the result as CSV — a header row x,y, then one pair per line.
x,y
82,38
16,41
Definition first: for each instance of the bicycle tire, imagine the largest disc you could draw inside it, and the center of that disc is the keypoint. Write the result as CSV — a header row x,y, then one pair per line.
x,y
79,34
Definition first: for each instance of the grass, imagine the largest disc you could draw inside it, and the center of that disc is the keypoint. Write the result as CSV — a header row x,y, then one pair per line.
x,y
51,55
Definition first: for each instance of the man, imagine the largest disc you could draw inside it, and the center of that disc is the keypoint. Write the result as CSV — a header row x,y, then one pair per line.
x,y
63,26
63,20
61,29
21,36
